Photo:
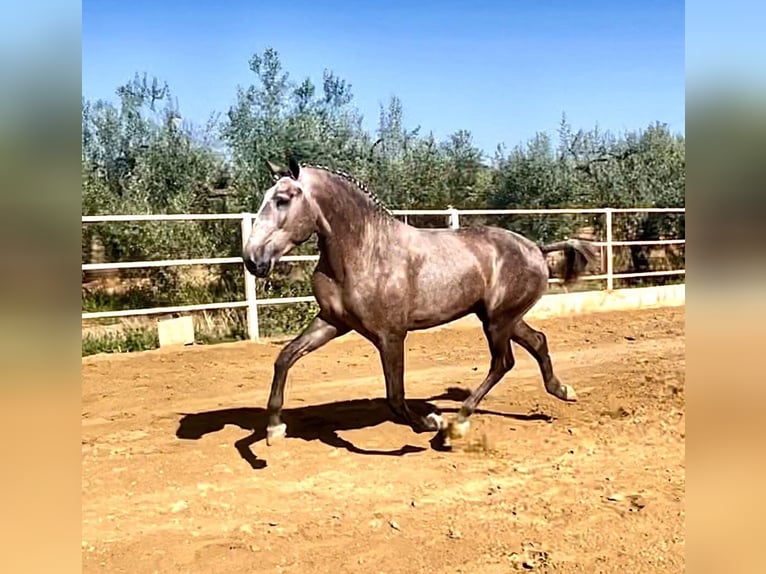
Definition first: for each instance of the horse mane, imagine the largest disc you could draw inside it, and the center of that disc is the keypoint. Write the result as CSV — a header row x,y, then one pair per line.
x,y
360,185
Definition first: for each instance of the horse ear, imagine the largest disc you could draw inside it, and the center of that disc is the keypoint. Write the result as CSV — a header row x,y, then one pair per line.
x,y
295,169
276,171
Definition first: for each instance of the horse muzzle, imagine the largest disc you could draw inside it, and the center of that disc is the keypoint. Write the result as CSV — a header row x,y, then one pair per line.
x,y
260,269
259,265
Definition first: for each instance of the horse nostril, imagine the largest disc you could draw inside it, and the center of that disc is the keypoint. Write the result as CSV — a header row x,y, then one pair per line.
x,y
262,268
250,265
258,268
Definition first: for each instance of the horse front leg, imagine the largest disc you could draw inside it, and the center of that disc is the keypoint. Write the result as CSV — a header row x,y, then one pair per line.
x,y
318,333
391,350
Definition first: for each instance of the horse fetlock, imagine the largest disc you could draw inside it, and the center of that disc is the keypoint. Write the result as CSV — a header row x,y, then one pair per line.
x,y
458,428
275,432
436,421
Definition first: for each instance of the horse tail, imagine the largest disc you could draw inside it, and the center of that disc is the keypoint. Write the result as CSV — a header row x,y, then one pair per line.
x,y
578,254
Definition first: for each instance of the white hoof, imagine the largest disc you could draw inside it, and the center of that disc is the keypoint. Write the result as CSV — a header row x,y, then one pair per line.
x,y
457,429
567,393
275,433
438,420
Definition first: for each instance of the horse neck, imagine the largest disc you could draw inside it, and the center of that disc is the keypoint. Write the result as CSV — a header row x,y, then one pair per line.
x,y
357,228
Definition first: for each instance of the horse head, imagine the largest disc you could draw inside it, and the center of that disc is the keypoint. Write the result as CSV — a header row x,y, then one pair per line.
x,y
287,217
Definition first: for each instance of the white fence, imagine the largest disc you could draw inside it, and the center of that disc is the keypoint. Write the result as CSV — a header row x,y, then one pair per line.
x,y
252,303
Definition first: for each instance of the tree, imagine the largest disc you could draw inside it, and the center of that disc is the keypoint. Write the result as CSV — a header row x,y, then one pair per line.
x,y
140,156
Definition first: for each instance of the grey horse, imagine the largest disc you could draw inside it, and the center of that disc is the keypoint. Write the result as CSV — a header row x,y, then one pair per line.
x,y
383,278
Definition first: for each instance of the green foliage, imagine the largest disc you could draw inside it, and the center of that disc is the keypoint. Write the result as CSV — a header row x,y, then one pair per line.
x,y
140,156
275,117
127,341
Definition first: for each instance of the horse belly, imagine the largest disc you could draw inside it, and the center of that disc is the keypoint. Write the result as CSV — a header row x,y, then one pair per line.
x,y
444,295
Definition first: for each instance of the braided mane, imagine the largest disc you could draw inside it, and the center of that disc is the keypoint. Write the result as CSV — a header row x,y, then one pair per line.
x,y
354,181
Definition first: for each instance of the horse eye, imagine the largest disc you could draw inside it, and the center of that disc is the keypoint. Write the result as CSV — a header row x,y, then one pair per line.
x,y
281,201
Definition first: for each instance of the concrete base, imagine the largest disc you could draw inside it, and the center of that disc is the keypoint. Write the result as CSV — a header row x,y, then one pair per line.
x,y
567,304
561,304
174,332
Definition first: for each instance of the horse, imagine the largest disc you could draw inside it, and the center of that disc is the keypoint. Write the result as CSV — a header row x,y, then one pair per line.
x,y
383,278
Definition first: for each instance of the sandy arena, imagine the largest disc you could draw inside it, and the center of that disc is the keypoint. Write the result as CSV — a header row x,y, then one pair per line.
x,y
177,476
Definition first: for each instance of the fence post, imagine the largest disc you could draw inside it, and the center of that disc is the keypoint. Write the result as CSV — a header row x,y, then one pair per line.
x,y
250,296
609,251
454,217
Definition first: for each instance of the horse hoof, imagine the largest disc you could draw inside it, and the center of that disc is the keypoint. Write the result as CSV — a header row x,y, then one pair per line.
x,y
567,393
457,430
275,433
437,421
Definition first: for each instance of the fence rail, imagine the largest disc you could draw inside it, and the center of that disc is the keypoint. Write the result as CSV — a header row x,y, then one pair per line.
x,y
252,303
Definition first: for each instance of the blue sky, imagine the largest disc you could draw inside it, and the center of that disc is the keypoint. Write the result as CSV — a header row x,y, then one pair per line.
x,y
502,70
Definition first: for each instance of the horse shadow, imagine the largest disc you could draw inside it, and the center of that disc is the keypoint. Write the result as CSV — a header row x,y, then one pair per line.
x,y
322,422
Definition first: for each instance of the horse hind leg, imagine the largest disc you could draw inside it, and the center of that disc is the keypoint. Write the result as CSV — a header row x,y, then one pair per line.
x,y
536,344
498,337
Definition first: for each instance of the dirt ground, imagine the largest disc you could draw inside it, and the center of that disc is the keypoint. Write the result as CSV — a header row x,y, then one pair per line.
x,y
177,476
